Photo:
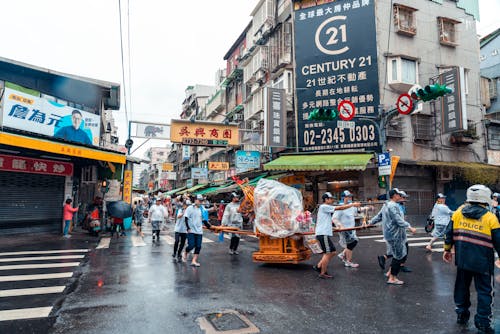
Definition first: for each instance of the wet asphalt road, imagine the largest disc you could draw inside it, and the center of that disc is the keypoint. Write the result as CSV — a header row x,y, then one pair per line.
x,y
139,289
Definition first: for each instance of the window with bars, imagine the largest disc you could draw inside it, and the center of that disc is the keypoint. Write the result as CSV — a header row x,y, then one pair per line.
x,y
447,31
404,20
422,127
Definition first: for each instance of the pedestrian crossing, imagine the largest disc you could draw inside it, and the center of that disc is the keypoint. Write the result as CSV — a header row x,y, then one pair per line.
x,y
44,274
412,241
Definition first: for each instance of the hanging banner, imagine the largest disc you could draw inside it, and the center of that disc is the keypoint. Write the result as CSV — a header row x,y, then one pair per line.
x,y
336,60
127,186
394,165
26,112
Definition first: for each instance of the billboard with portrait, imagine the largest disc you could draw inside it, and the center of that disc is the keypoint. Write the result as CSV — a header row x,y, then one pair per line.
x,y
336,60
26,112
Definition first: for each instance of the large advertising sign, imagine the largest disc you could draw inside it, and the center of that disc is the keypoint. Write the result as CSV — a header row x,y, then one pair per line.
x,y
336,60
38,115
246,160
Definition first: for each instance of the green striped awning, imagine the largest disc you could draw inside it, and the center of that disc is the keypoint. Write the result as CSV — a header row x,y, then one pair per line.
x,y
173,191
193,189
320,162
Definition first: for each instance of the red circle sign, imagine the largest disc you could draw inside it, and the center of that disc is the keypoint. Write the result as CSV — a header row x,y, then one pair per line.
x,y
404,104
347,110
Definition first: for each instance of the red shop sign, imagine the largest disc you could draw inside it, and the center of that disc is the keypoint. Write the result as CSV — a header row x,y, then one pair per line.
x,y
12,163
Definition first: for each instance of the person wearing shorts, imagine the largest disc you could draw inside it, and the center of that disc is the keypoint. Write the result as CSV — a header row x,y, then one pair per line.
x,y
324,232
441,214
348,239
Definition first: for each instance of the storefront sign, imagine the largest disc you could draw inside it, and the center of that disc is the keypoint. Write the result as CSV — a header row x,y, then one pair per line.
x,y
336,60
26,112
186,154
189,183
36,166
199,173
204,142
181,130
171,176
276,118
246,160
127,186
167,167
151,130
215,165
453,106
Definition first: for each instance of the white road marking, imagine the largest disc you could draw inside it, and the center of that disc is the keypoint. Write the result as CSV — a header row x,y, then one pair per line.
x,y
137,241
411,239
25,313
103,243
170,240
370,236
40,266
417,244
41,258
32,291
55,251
15,278
438,250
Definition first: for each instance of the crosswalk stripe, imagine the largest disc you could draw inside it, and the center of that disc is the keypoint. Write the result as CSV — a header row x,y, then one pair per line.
x,y
42,258
32,291
55,251
137,241
40,266
422,238
438,250
370,236
417,244
170,240
103,243
15,278
25,313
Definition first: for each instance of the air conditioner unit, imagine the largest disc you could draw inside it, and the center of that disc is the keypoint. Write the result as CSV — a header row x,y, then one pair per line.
x,y
445,174
254,124
238,117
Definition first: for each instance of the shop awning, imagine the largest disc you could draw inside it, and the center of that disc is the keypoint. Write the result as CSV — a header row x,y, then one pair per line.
x,y
458,164
174,191
60,148
320,162
255,180
193,189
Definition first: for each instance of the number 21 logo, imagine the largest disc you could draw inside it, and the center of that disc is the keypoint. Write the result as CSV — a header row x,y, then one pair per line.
x,y
336,36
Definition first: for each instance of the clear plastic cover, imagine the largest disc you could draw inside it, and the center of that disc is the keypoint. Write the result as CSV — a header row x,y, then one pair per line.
x,y
277,207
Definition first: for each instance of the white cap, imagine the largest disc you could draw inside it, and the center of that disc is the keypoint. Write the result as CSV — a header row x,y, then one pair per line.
x,y
347,193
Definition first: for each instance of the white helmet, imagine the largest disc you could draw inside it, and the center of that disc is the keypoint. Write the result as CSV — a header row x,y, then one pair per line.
x,y
479,194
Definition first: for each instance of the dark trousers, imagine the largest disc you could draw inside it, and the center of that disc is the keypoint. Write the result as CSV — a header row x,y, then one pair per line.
x,y
485,293
396,265
235,241
180,240
194,242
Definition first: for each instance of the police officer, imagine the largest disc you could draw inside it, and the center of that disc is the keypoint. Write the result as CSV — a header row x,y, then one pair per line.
x,y
475,233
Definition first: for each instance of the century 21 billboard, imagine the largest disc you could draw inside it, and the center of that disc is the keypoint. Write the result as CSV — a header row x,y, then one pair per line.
x,y
336,60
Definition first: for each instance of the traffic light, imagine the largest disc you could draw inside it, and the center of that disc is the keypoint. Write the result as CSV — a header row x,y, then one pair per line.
x,y
430,92
323,114
382,181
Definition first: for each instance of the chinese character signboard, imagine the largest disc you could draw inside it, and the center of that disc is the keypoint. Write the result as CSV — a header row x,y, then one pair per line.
x,y
167,167
336,60
127,186
246,160
36,166
453,106
215,165
185,153
170,176
148,130
276,118
26,112
199,173
186,130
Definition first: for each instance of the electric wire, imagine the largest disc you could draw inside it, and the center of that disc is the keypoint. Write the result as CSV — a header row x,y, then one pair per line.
x,y
123,62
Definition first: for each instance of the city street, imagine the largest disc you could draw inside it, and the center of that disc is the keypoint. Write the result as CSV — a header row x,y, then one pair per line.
x,y
130,285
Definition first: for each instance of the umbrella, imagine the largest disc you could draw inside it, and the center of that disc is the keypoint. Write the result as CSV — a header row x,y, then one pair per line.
x,y
119,209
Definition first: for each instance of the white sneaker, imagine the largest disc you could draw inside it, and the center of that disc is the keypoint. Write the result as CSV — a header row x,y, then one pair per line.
x,y
67,236
341,256
184,257
350,264
231,252
235,252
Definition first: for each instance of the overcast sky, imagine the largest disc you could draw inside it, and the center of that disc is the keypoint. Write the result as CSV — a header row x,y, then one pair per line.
x,y
173,44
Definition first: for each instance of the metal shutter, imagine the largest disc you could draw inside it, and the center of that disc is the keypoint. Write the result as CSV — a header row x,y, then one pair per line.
x,y
31,200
